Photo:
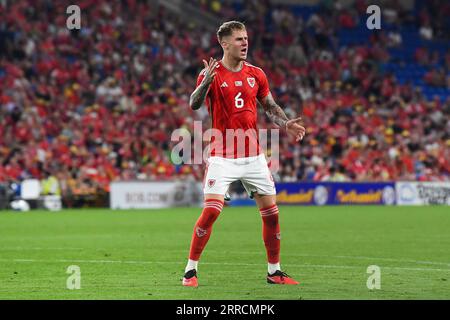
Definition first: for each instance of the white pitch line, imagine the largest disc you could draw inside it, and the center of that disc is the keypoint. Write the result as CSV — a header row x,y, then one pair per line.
x,y
38,248
261,253
366,258
395,260
446,264
216,263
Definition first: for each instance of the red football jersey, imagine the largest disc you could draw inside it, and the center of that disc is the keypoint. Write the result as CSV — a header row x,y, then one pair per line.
x,y
231,102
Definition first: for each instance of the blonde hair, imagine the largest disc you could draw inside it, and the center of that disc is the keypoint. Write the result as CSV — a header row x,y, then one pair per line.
x,y
226,29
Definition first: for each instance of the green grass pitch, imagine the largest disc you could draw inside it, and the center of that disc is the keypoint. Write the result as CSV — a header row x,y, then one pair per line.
x,y
141,254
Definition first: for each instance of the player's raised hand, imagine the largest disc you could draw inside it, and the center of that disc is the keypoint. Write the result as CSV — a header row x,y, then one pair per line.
x,y
210,70
295,128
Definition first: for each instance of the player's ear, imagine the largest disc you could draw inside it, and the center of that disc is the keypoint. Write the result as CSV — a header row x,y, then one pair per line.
x,y
222,44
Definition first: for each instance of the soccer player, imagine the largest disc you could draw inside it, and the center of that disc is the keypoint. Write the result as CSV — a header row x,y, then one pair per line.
x,y
231,88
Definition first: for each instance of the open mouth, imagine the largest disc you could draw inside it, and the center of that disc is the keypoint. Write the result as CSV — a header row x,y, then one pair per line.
x,y
244,51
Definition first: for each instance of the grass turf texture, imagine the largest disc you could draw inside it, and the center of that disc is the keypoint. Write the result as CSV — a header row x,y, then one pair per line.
x,y
139,254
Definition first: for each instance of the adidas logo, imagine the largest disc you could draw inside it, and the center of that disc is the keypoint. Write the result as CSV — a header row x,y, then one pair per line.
x,y
223,85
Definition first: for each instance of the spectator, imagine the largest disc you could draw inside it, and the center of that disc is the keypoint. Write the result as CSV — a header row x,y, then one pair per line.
x,y
100,104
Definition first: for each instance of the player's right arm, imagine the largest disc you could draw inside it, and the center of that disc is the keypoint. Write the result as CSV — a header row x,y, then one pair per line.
x,y
198,96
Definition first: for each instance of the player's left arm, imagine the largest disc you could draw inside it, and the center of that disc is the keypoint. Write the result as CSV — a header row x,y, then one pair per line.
x,y
277,115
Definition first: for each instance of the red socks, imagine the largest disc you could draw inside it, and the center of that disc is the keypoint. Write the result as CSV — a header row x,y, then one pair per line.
x,y
271,233
211,211
203,227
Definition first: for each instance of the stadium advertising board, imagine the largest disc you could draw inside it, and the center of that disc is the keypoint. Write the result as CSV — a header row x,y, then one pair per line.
x,y
364,193
146,195
335,193
423,193
151,195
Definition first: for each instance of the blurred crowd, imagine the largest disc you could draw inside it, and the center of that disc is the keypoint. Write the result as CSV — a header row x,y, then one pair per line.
x,y
99,104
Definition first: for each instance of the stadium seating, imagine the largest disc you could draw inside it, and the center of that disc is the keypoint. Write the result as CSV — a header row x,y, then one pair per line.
x,y
99,104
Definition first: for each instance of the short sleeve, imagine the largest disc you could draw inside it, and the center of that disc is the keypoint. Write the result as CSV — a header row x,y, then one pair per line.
x,y
263,83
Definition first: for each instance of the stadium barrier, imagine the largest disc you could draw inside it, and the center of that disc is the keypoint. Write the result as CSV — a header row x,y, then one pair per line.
x,y
151,195
4,196
29,195
423,193
358,193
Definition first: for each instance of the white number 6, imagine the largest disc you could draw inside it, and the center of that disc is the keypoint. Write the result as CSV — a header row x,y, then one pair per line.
x,y
238,102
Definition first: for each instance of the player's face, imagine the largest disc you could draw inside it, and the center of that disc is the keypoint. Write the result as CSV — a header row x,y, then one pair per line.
x,y
236,45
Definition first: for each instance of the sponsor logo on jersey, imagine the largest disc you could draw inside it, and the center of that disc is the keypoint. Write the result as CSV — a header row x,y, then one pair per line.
x,y
251,82
211,182
223,85
238,83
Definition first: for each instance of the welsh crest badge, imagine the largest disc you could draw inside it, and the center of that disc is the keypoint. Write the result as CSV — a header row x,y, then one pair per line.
x,y
200,232
211,182
251,82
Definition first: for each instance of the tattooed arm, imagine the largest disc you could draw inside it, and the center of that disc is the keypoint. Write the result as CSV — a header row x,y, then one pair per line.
x,y
277,115
274,111
198,96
